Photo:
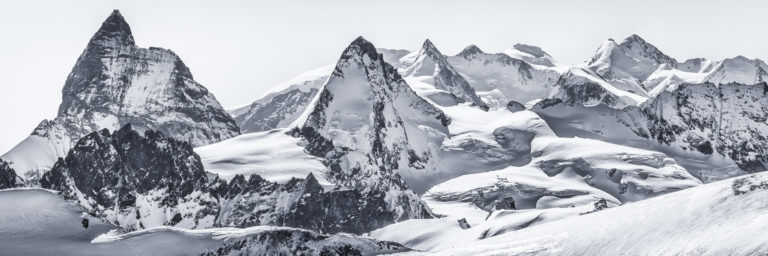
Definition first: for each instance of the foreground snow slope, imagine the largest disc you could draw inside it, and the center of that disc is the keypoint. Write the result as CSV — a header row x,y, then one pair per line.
x,y
39,222
722,218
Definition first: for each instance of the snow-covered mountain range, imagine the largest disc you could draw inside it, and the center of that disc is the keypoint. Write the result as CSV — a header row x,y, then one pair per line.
x,y
510,153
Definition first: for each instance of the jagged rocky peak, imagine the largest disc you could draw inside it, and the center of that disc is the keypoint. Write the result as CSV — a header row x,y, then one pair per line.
x,y
114,31
135,181
113,83
431,62
431,50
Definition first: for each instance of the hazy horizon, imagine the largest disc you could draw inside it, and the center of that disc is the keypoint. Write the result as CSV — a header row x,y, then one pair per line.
x,y
239,49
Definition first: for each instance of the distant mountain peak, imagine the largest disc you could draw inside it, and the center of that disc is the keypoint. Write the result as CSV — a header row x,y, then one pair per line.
x,y
470,50
632,59
114,30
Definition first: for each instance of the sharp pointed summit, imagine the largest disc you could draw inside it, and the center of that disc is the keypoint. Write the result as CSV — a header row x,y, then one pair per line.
x,y
372,129
114,83
114,30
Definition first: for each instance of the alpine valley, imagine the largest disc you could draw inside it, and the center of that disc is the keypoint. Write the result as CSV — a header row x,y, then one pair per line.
x,y
386,151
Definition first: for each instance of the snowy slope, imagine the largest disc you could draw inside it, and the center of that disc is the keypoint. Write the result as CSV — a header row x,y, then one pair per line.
x,y
282,104
739,70
722,218
566,177
273,155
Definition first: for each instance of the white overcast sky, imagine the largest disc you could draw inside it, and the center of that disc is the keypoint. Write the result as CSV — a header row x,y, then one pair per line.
x,y
238,49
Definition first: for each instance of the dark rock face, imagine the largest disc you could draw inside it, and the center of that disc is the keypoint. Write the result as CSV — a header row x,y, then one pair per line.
x,y
574,91
281,241
728,119
277,112
128,178
7,175
301,203
114,77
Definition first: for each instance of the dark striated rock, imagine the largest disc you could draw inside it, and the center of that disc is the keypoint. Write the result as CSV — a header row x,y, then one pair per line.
x,y
128,178
283,241
8,176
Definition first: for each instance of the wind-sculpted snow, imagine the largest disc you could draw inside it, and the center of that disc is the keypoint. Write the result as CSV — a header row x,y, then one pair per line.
x,y
273,155
566,177
115,82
